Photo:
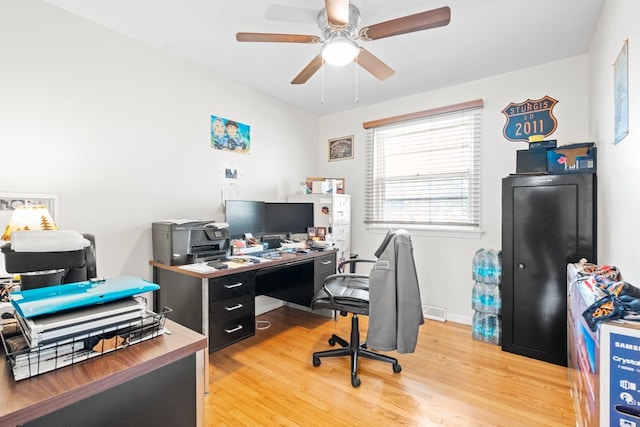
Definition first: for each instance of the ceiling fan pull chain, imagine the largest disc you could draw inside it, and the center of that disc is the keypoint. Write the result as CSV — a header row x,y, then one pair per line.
x,y
322,85
356,67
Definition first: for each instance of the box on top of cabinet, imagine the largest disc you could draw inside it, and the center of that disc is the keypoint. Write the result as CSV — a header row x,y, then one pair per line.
x,y
572,158
533,160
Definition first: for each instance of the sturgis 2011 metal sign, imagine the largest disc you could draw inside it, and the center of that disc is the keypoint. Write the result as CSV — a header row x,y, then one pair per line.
x,y
530,118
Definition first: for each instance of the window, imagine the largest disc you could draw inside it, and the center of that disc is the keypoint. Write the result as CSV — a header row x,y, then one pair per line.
x,y
423,169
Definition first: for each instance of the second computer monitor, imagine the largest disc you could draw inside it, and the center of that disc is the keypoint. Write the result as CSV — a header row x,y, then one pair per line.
x,y
282,218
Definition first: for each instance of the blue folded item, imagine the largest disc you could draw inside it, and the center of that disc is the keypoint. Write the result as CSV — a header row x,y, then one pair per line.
x,y
52,299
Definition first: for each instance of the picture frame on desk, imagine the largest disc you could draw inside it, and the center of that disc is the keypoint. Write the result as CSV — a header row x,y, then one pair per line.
x,y
311,232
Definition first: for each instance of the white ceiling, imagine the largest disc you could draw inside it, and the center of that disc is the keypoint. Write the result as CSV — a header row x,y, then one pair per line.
x,y
484,38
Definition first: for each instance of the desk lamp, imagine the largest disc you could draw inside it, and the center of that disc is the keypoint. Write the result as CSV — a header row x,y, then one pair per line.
x,y
36,217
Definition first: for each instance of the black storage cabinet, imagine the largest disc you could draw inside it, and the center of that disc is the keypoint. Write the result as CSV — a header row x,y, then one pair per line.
x,y
547,222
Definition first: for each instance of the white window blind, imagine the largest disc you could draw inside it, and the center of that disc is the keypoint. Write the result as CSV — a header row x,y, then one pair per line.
x,y
425,171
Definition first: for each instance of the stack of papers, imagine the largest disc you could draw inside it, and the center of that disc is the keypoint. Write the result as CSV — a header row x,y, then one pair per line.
x,y
65,324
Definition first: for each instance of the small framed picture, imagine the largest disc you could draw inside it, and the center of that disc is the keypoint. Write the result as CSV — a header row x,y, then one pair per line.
x,y
321,232
341,148
311,232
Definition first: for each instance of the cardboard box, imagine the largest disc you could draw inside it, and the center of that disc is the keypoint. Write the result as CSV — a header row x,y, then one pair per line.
x,y
573,158
533,160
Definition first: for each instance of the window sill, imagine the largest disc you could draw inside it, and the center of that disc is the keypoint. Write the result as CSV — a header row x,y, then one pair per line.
x,y
431,230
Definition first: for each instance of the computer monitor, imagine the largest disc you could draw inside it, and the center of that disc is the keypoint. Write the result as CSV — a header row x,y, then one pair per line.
x,y
288,217
244,216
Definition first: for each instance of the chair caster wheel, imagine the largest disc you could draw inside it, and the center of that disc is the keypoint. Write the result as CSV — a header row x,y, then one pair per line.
x,y
397,368
316,361
355,382
332,342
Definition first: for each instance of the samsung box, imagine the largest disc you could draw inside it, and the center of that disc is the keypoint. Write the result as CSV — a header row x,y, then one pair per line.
x,y
533,160
573,158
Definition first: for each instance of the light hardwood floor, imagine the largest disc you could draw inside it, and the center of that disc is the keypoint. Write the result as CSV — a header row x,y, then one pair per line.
x,y
451,380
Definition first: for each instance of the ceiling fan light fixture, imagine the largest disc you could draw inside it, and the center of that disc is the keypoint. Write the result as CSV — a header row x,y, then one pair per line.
x,y
339,51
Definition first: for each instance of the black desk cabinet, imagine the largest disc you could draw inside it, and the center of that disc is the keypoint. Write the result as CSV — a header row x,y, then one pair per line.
x,y
231,309
548,221
222,304
296,281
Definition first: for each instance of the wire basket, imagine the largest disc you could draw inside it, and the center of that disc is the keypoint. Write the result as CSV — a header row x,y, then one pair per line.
x,y
31,361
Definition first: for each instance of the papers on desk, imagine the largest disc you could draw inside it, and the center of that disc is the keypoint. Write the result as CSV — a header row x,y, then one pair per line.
x,y
200,267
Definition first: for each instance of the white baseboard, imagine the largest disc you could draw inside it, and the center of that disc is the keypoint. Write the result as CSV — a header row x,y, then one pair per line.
x,y
456,318
265,304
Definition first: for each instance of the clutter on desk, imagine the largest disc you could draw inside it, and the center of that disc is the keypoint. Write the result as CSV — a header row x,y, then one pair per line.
x,y
47,332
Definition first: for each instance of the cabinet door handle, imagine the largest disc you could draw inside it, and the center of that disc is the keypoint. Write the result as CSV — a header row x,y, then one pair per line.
x,y
235,307
232,330
326,262
235,285
521,266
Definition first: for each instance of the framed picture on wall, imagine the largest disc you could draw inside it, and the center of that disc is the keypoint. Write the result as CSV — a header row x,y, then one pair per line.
x,y
341,148
621,94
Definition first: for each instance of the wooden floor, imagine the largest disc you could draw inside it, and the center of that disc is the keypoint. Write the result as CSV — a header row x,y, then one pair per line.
x,y
450,380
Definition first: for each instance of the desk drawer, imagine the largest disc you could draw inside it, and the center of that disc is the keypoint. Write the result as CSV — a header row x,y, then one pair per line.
x,y
325,265
231,286
231,308
231,321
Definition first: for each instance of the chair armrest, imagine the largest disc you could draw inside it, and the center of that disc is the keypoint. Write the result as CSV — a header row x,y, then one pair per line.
x,y
353,262
345,275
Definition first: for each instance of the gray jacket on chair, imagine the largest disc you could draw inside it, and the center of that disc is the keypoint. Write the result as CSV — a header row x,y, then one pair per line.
x,y
395,308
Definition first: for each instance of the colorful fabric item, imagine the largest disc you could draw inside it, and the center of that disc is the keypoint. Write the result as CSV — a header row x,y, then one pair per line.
x,y
621,301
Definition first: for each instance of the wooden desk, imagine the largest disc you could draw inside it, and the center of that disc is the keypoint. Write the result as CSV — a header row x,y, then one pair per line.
x,y
221,304
156,382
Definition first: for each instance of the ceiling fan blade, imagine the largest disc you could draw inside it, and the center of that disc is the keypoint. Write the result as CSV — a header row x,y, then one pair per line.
x,y
375,66
337,12
407,24
308,71
276,38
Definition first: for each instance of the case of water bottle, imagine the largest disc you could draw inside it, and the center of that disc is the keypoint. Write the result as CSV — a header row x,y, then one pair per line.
x,y
486,299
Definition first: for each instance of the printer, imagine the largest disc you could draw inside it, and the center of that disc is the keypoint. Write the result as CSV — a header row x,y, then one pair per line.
x,y
179,242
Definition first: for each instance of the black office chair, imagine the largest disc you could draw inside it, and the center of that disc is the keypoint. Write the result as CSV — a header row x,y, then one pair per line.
x,y
350,293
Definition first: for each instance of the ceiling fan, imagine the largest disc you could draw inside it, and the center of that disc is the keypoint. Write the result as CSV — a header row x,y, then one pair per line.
x,y
339,22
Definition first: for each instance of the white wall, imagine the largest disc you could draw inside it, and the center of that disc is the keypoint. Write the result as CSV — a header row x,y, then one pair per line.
x,y
444,261
618,172
121,132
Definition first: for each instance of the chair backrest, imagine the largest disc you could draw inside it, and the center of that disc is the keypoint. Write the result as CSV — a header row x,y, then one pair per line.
x,y
395,307
385,243
89,269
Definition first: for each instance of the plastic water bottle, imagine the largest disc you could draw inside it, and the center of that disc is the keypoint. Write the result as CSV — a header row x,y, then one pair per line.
x,y
477,326
487,266
478,266
491,329
493,268
475,296
489,299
